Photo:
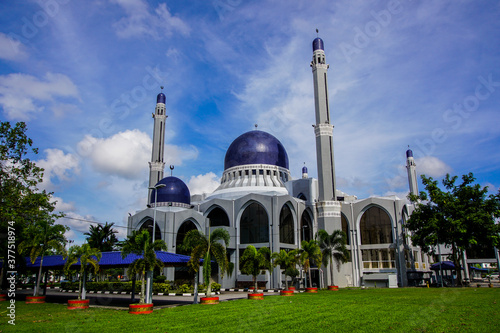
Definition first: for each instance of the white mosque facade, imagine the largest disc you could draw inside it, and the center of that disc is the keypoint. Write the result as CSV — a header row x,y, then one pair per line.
x,y
259,204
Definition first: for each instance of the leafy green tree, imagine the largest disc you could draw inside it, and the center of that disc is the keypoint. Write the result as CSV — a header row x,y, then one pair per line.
x,y
21,202
139,242
102,237
89,258
42,236
253,261
333,248
286,261
461,216
207,247
310,254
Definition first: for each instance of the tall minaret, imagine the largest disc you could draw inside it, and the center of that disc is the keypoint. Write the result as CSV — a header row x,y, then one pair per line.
x,y
328,207
157,164
412,172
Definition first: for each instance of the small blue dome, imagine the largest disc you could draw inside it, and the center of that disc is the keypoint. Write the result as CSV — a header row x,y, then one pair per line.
x,y
256,147
304,169
409,153
161,98
318,44
175,190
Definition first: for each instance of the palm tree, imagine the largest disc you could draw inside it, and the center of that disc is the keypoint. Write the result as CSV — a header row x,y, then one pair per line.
x,y
102,237
42,236
310,254
286,261
203,247
139,242
333,247
87,256
253,261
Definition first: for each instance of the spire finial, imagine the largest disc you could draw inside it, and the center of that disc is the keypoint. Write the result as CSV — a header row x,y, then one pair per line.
x,y
171,170
161,88
256,125
317,32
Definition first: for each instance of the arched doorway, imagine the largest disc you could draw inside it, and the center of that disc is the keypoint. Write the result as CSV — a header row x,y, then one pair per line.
x,y
182,273
376,229
306,229
286,225
254,225
148,225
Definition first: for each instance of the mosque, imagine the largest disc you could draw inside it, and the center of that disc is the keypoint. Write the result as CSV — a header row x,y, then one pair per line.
x,y
260,204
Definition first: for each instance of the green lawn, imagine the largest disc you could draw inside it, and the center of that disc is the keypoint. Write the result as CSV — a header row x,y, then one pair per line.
x,y
348,310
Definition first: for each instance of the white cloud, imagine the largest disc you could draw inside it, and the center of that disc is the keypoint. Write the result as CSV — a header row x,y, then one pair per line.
x,y
432,167
21,94
206,183
57,167
126,154
140,21
11,49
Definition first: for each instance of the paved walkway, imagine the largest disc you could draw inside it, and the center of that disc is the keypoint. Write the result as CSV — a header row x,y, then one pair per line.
x,y
122,301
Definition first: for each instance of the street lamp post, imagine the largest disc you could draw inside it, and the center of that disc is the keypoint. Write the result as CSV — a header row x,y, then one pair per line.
x,y
149,296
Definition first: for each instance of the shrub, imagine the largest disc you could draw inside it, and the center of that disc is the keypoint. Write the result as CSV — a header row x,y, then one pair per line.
x,y
215,286
161,288
185,288
160,279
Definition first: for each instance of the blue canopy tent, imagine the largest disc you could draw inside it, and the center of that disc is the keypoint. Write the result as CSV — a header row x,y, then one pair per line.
x,y
446,279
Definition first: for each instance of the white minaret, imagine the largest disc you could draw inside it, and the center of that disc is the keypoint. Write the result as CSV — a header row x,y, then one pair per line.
x,y
157,164
412,172
328,207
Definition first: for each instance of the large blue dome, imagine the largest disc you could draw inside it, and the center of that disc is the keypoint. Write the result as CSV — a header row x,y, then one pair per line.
x,y
256,147
175,190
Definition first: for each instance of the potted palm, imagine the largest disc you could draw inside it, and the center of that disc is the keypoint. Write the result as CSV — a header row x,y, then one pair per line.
x,y
310,253
285,260
41,236
252,262
139,243
88,258
204,248
333,248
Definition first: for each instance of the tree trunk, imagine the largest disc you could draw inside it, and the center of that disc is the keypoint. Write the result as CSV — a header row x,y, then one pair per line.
x,y
195,301
141,300
331,268
254,284
286,283
84,291
80,286
456,253
309,273
36,292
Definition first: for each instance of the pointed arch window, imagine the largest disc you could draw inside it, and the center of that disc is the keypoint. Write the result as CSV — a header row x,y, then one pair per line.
x,y
254,225
286,226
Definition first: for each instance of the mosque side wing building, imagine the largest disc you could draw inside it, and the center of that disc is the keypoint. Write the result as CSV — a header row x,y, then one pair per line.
x,y
259,204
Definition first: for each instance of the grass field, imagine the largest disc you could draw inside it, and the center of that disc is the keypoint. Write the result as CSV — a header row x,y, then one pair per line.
x,y
348,310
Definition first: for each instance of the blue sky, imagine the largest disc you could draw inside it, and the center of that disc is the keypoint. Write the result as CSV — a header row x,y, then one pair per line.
x,y
84,75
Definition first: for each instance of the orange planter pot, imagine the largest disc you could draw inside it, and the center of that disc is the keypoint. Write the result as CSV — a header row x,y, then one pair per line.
x,y
311,290
3,297
35,299
209,300
256,296
146,308
291,288
335,288
286,292
75,304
